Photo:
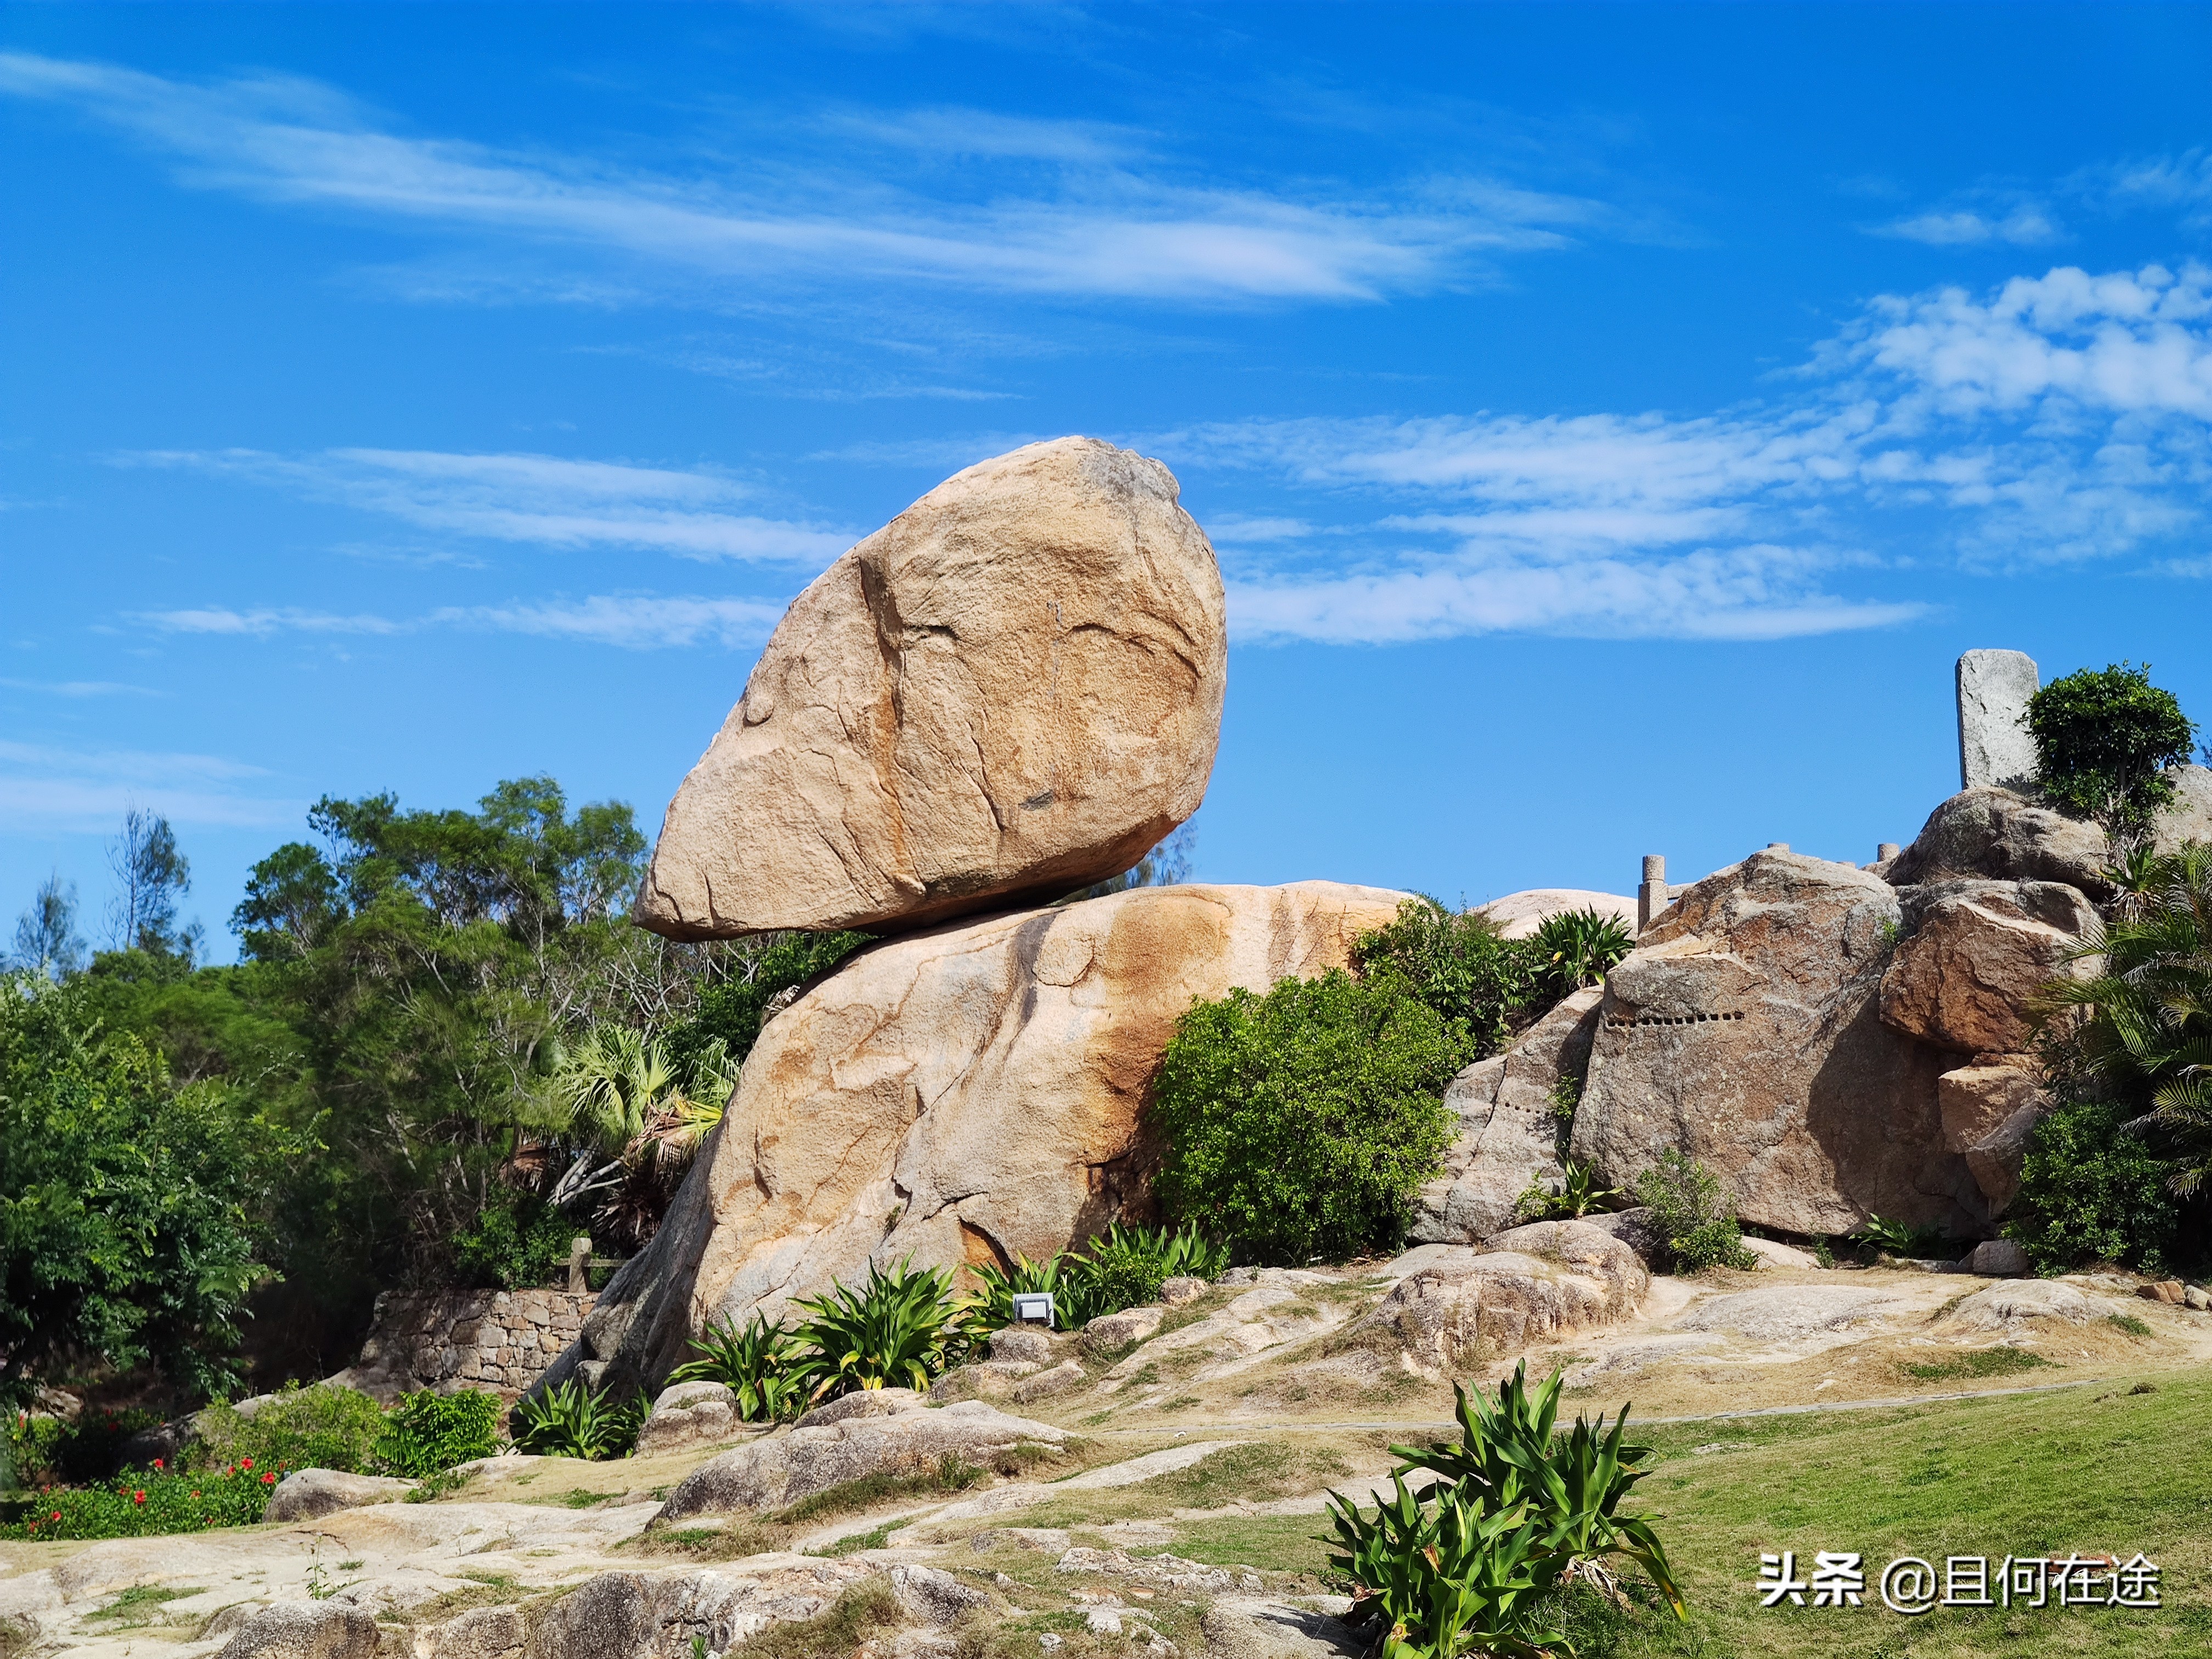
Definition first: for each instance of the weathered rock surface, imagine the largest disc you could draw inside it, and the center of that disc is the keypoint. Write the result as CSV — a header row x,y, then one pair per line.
x,y
1745,1031
308,1494
957,1095
1974,954
1022,1342
1182,1288
1994,746
1520,914
1536,1284
1011,690
933,1596
688,1415
1773,1254
1046,1383
840,1444
1998,1258
1507,1137
1635,1228
314,1629
2024,1302
2188,818
1993,834
1787,1313
1118,1330
1989,1113
654,1615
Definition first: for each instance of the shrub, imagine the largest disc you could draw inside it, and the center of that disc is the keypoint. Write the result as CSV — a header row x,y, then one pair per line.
x,y
1577,948
1514,1508
1072,1303
428,1433
517,1241
1581,1192
1484,985
1303,1123
1122,1268
1692,1215
757,1365
731,1013
2092,1191
572,1420
320,1427
2101,737
145,1503
53,1450
900,1329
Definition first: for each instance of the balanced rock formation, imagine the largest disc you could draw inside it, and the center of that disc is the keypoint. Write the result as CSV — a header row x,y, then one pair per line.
x,y
1988,1109
1532,1284
1973,956
1508,1139
1009,691
1745,1031
960,1094
2188,817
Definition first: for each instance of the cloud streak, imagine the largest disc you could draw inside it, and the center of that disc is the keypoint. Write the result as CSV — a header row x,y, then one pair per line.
x,y
541,500
44,789
633,622
1101,230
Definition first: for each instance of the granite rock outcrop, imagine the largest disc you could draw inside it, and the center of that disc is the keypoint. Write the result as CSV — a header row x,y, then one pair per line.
x,y
1012,690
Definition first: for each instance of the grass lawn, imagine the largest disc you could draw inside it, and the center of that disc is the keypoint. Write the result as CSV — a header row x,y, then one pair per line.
x,y
2097,1469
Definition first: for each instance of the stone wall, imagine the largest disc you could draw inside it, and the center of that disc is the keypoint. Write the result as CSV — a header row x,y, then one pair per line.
x,y
453,1340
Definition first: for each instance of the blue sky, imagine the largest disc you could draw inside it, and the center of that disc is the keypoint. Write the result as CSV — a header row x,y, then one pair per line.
x,y
1613,422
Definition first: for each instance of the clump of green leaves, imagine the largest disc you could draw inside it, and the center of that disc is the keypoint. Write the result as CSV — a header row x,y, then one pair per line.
x,y
899,1329
730,1012
1515,1511
428,1433
758,1363
516,1241
572,1420
1302,1123
2102,737
1879,1236
1123,1268
2091,1190
314,1428
143,1505
1581,1192
1691,1213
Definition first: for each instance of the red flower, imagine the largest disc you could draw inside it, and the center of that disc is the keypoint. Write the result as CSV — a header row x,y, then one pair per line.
x,y
58,1515
268,1479
196,1494
246,1462
138,1497
157,1463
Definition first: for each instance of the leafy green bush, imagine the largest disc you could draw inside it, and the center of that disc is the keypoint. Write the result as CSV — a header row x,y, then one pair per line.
x,y
147,1504
572,1420
758,1364
1303,1123
1881,1237
2092,1191
731,1013
1054,1276
2101,737
1515,1509
314,1428
1582,1192
427,1433
899,1329
1692,1215
1124,1267
1577,948
517,1241
1482,984
53,1450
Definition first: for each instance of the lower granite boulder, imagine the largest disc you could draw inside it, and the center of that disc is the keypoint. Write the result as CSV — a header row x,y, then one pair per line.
x,y
1989,1113
1534,1285
876,1431
688,1415
312,1629
958,1096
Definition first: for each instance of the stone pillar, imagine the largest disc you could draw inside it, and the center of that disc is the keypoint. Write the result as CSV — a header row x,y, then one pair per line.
x,y
579,1264
1886,851
1651,897
1994,746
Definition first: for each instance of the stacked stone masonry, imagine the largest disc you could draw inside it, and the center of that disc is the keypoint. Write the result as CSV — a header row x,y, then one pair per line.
x,y
454,1340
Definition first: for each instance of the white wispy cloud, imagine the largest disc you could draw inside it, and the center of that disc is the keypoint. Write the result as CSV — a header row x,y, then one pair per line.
x,y
543,500
2060,417
1099,227
634,622
82,688
48,787
2024,225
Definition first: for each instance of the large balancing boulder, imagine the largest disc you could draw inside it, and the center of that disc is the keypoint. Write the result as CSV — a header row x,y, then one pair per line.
x,y
1746,1031
1974,956
1994,834
959,1095
1009,691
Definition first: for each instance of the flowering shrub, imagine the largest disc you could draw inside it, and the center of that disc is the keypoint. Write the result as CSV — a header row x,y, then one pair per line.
x,y
426,1433
158,1501
314,1428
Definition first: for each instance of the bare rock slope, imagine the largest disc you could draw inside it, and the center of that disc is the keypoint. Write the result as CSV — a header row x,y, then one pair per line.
x,y
1011,690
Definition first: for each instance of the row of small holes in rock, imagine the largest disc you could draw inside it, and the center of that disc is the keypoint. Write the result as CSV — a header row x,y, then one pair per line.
x,y
1678,1019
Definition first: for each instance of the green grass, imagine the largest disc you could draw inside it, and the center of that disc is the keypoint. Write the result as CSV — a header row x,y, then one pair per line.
x,y
141,1604
1980,1362
1252,1473
2129,1323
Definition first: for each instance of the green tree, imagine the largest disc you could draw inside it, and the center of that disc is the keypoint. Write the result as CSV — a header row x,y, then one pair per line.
x,y
151,875
132,1211
47,942
1303,1123
2102,738
741,978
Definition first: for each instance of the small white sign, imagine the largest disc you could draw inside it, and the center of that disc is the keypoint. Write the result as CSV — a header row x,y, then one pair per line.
x,y
1033,1308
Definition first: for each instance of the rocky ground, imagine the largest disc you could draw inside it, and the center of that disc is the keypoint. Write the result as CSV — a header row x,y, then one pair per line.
x,y
1155,1481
